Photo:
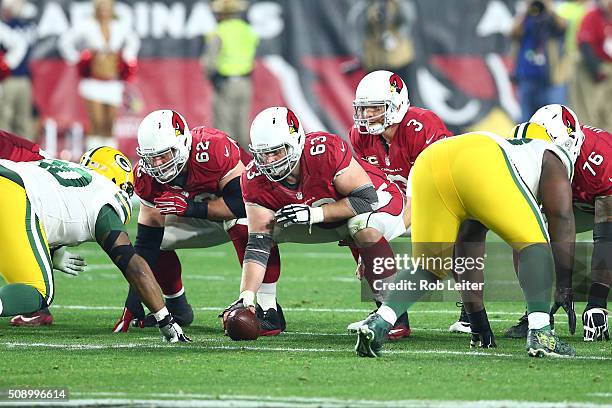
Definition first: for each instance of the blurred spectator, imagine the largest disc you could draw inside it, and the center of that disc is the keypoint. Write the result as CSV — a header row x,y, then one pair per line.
x,y
573,11
15,85
229,60
594,69
387,43
104,50
538,32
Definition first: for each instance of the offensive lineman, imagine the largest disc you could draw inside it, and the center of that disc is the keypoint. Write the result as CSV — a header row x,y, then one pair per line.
x,y
308,188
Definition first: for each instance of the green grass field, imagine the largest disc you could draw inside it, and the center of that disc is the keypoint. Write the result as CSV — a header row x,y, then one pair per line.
x,y
312,364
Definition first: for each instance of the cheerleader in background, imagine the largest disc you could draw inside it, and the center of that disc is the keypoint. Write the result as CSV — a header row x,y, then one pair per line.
x,y
104,50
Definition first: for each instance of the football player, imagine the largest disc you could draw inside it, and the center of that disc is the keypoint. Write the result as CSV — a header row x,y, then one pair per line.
x,y
307,188
494,181
52,203
390,133
17,149
188,182
592,196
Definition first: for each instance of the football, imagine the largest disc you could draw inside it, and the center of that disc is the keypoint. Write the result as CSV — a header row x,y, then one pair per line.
x,y
242,324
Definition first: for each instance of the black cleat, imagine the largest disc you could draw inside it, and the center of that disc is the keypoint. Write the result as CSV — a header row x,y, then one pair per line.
x,y
519,330
272,321
485,339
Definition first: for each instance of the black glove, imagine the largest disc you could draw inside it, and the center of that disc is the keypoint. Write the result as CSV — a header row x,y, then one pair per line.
x,y
564,297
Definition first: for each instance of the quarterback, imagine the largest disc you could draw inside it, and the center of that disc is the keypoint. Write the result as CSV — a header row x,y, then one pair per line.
x,y
188,182
307,188
389,133
52,203
495,181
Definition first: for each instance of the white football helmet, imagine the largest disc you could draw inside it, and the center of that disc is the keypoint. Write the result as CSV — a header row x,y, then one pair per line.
x,y
563,127
277,133
385,90
164,142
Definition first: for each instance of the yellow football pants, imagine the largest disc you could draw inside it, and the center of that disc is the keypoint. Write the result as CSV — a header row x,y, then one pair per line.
x,y
24,256
463,177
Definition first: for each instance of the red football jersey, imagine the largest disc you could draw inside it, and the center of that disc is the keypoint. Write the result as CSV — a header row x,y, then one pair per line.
x,y
596,30
418,129
17,149
325,156
213,154
593,169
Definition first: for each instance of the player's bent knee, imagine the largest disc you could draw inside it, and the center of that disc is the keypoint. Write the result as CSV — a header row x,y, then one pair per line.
x,y
367,237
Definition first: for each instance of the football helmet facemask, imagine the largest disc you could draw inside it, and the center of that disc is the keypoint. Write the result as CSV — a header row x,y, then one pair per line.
x,y
112,164
384,92
164,143
277,141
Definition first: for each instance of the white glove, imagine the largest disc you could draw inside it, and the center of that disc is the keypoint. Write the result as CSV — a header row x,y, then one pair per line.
x,y
299,214
67,262
172,332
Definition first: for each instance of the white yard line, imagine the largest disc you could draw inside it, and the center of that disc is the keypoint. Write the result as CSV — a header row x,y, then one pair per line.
x,y
199,345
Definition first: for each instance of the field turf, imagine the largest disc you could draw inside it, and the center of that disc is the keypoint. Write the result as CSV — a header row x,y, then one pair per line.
x,y
312,364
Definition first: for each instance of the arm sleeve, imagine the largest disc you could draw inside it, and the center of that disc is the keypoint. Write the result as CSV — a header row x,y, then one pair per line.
x,y
132,45
108,220
67,44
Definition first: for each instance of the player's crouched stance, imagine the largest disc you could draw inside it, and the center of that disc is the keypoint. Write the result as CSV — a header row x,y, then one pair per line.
x,y
52,203
307,188
483,177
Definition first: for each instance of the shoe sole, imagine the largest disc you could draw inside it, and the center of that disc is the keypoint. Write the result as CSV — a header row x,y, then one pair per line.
x,y
399,335
23,324
539,353
364,342
270,333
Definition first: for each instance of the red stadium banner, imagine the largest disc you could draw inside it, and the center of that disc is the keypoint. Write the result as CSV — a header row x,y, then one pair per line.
x,y
310,58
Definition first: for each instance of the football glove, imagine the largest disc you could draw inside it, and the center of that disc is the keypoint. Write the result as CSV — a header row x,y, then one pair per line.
x,y
595,324
565,298
172,203
67,262
299,214
171,331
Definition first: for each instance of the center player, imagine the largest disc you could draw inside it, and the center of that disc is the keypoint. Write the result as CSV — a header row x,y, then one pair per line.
x,y
307,188
390,134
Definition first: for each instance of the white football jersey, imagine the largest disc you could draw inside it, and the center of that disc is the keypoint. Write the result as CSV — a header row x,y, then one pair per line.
x,y
526,157
67,198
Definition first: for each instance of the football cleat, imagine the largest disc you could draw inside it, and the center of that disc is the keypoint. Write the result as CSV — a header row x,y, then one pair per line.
x,y
595,324
483,340
371,336
401,329
463,324
519,330
272,321
40,318
542,342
